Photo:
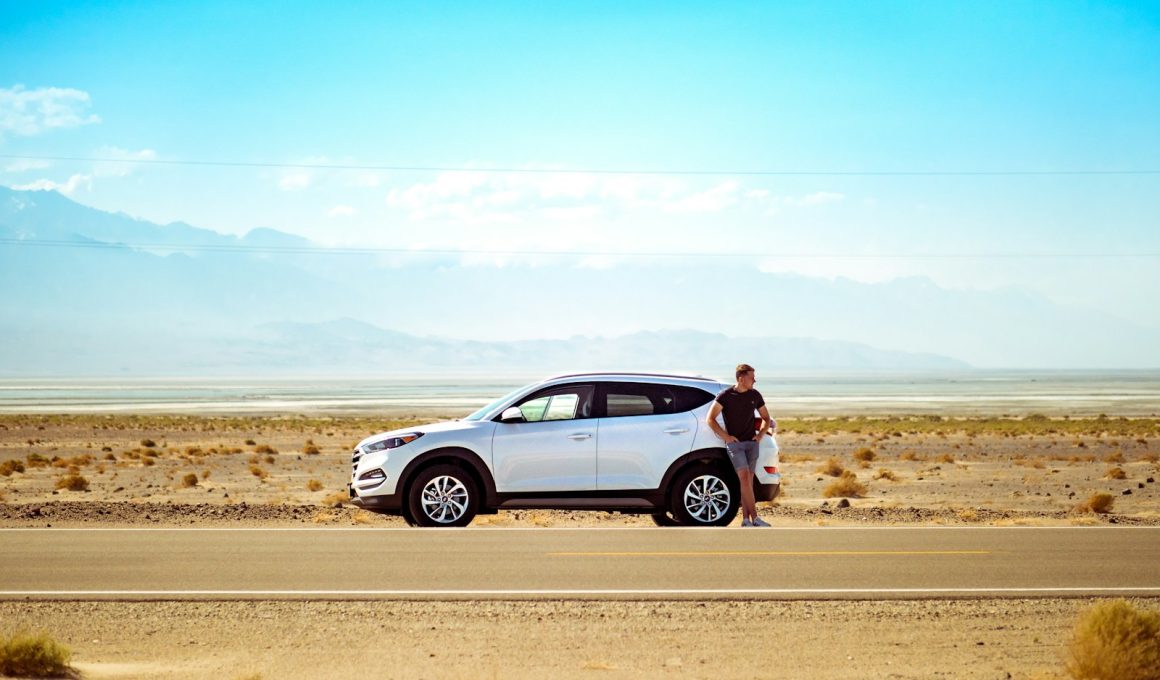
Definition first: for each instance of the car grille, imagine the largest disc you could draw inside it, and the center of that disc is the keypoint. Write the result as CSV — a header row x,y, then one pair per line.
x,y
354,458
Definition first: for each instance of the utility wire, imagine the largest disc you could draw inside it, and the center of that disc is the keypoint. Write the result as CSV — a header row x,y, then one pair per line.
x,y
341,250
598,171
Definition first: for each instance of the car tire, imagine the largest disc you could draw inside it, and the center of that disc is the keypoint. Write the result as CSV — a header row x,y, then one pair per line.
x,y
705,496
443,496
662,519
405,511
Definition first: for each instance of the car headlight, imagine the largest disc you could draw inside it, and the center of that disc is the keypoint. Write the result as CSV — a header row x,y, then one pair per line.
x,y
392,442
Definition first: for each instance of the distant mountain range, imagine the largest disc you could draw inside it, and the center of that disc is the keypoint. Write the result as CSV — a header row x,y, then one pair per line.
x,y
87,292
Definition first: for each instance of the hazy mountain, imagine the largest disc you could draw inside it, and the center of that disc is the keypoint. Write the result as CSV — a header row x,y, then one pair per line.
x,y
126,294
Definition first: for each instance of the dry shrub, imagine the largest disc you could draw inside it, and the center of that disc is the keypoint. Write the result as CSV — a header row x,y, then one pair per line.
x,y
314,485
1114,457
865,455
362,517
148,462
324,516
911,455
258,472
845,486
311,450
883,473
10,466
1115,473
265,448
73,483
1115,641
832,468
945,458
250,442
148,443
27,655
337,499
1100,503
189,480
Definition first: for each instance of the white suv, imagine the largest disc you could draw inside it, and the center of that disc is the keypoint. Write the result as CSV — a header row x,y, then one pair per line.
x,y
628,442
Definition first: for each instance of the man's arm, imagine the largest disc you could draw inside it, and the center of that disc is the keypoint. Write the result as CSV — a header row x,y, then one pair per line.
x,y
711,421
768,424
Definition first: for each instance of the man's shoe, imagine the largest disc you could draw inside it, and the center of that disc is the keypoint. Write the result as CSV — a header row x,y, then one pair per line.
x,y
746,523
758,522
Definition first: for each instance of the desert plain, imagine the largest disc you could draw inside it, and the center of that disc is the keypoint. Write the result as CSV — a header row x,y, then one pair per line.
x,y
192,471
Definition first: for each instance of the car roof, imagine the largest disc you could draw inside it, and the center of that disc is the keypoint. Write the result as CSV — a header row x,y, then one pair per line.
x,y
692,380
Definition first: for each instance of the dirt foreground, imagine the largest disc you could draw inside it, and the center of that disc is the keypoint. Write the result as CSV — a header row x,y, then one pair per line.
x,y
551,639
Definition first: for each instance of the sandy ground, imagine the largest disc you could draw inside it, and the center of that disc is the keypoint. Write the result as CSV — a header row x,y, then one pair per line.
x,y
917,639
264,471
292,471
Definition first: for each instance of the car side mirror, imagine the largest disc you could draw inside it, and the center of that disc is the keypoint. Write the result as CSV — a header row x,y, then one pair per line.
x,y
512,415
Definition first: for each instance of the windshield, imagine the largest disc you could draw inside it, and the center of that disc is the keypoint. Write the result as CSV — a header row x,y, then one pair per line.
x,y
478,415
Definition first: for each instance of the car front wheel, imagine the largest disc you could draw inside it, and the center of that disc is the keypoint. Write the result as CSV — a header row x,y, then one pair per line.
x,y
443,496
704,496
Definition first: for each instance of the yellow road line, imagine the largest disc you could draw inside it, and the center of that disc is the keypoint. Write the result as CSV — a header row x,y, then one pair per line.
x,y
770,553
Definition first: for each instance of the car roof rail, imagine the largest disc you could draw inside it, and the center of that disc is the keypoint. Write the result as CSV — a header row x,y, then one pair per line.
x,y
631,374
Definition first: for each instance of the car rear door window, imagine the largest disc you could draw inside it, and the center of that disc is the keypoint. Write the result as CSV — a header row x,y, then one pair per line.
x,y
637,399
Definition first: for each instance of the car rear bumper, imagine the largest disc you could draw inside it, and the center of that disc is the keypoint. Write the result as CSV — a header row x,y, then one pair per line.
x,y
766,492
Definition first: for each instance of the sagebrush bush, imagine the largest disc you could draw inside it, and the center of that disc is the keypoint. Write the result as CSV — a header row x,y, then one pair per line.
x,y
883,473
311,450
865,455
73,483
148,443
28,655
10,466
1100,503
189,480
1115,641
832,468
845,486
314,485
265,448
1115,473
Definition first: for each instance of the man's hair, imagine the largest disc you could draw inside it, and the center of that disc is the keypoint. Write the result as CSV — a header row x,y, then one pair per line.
x,y
742,369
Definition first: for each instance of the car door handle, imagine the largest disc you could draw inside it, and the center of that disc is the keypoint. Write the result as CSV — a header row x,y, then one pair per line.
x,y
580,435
677,430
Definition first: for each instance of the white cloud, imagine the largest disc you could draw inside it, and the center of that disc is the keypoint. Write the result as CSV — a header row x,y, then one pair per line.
x,y
27,112
68,187
820,198
342,211
121,161
26,164
295,181
715,199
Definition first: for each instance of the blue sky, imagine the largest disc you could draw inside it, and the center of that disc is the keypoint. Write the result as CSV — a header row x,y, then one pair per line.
x,y
825,86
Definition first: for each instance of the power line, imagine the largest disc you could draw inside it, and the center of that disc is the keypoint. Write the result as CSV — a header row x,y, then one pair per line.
x,y
320,250
597,171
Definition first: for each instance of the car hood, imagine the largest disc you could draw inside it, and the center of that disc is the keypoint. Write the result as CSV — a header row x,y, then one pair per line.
x,y
430,428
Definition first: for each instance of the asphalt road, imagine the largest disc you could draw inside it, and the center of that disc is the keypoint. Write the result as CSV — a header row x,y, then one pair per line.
x,y
814,563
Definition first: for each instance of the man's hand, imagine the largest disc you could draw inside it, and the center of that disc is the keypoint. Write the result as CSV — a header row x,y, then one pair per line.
x,y
729,439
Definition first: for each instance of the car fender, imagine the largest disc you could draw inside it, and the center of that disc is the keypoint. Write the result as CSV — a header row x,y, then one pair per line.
x,y
451,453
706,455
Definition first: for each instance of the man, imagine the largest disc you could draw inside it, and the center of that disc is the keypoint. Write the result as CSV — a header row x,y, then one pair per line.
x,y
738,404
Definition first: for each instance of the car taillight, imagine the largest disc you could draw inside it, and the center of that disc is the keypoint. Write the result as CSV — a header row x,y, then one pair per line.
x,y
771,470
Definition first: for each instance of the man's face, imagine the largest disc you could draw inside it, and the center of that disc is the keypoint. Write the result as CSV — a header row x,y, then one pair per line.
x,y
747,380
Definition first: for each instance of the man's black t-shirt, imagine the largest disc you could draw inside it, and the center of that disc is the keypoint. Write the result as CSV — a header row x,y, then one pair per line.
x,y
737,410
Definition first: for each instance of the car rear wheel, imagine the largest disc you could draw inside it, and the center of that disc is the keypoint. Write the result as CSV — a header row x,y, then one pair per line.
x,y
704,496
443,496
662,519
